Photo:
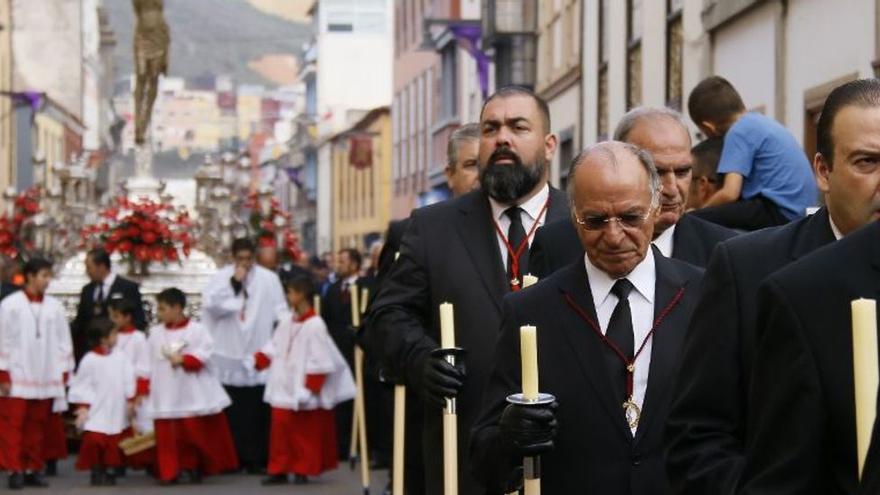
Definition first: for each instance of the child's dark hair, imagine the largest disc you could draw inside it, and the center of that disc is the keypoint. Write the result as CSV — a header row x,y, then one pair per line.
x,y
123,306
98,329
34,265
172,296
304,284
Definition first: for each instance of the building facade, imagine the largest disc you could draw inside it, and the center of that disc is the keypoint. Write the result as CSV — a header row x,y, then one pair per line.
x,y
362,181
7,148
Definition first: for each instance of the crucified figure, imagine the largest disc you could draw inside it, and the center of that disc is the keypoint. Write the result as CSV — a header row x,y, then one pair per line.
x,y
151,42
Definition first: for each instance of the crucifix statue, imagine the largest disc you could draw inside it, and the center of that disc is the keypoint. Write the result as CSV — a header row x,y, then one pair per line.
x,y
151,42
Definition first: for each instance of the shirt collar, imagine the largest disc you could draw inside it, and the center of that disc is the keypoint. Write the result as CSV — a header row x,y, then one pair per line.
x,y
108,281
305,316
351,280
837,234
127,330
101,350
532,207
34,298
643,278
664,241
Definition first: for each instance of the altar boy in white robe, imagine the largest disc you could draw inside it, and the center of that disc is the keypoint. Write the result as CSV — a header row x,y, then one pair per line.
x,y
103,390
186,399
308,376
36,355
240,306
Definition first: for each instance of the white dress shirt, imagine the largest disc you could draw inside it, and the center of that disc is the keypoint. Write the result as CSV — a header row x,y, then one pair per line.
x,y
531,209
664,241
838,235
107,283
641,302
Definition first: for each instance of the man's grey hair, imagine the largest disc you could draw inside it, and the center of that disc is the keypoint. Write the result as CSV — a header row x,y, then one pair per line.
x,y
630,119
608,149
467,132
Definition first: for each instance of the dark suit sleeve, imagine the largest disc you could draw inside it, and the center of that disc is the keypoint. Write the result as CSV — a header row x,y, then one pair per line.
x,y
490,462
402,310
704,430
785,440
140,317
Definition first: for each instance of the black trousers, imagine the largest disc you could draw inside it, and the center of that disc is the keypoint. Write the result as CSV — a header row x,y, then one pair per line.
x,y
249,421
745,214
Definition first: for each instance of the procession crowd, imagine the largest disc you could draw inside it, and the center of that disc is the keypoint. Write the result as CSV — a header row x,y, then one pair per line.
x,y
692,313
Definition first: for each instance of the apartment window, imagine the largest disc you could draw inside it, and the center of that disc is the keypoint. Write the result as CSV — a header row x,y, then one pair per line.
x,y
634,54
449,81
674,54
602,89
566,155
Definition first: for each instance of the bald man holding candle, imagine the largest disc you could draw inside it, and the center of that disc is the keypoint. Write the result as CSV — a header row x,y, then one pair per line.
x,y
608,331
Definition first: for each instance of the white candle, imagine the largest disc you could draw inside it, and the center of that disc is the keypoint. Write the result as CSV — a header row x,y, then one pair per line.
x,y
865,372
365,295
447,326
528,341
529,279
316,304
355,307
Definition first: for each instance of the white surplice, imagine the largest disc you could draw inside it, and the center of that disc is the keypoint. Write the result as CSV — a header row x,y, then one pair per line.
x,y
35,346
298,349
134,346
174,391
242,323
104,382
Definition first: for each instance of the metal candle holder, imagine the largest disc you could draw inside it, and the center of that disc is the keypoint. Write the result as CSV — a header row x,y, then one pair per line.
x,y
531,464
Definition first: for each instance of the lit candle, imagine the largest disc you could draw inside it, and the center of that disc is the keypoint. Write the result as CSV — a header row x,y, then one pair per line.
x,y
865,372
447,326
528,341
355,307
529,279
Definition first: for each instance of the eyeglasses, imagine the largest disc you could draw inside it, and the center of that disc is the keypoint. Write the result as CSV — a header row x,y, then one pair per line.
x,y
626,221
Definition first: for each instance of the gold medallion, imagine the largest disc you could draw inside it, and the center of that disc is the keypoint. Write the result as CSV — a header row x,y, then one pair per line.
x,y
632,413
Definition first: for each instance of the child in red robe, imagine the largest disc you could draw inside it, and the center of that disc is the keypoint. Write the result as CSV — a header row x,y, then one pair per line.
x,y
186,400
307,378
102,390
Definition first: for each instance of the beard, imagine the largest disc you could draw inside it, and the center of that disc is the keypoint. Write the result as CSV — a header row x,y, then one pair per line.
x,y
507,183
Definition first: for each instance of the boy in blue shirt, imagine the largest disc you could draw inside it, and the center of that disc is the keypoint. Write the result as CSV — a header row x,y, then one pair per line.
x,y
767,178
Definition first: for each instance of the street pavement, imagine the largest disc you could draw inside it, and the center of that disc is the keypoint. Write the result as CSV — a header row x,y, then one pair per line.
x,y
342,481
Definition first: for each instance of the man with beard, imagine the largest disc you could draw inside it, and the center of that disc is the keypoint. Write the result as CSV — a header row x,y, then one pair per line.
x,y
662,133
707,427
469,251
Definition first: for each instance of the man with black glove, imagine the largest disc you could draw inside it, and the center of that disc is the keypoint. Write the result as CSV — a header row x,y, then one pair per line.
x,y
459,251
609,329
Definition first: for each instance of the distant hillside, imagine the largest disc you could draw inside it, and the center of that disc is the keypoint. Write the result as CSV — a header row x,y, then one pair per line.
x,y
212,37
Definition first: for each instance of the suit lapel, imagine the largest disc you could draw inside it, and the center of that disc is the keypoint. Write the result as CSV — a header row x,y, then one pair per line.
x,y
815,233
683,239
558,208
586,346
666,341
479,239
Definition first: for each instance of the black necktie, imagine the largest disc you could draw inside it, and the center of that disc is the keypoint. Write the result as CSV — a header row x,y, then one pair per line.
x,y
99,300
620,332
516,234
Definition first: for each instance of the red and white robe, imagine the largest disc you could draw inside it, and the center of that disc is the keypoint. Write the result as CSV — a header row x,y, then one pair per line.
x,y
133,344
186,403
307,378
36,354
104,383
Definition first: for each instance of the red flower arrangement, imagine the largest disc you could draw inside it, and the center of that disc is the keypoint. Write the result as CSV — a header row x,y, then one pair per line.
x,y
141,231
273,229
14,235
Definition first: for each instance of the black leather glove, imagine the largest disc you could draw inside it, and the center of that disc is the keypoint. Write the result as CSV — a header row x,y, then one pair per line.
x,y
528,430
441,379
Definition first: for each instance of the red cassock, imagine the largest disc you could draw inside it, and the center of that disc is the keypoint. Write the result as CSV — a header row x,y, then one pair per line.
x,y
99,450
55,441
22,429
201,443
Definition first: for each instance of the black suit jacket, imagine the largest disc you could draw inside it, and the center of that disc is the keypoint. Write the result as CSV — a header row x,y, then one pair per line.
x,y
802,437
556,245
706,428
336,312
595,451
85,312
7,288
449,253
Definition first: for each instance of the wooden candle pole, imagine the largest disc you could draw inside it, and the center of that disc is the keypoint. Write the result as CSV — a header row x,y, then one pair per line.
x,y
450,417
399,434
316,304
865,373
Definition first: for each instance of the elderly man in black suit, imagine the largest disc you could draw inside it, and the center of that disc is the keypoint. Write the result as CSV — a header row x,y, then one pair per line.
x,y
105,285
662,133
609,327
707,427
802,438
469,251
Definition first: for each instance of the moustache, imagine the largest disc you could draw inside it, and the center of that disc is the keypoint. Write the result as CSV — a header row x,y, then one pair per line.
x,y
502,154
